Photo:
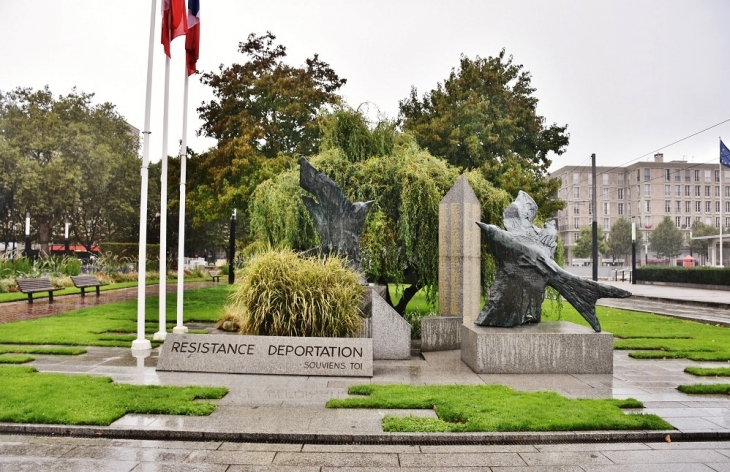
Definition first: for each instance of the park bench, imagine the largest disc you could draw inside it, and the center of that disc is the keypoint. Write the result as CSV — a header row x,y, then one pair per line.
x,y
215,275
31,286
86,281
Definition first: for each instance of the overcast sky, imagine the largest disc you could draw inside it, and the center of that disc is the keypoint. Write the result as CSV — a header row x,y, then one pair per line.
x,y
626,76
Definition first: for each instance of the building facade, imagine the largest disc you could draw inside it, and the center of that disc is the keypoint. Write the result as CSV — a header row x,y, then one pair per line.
x,y
644,193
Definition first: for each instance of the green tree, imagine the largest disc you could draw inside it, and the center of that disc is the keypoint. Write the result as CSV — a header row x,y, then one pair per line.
x,y
699,246
584,244
619,240
484,116
400,238
666,239
72,159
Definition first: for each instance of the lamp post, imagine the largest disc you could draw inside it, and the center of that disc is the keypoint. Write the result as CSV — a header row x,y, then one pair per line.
x,y
232,248
27,234
65,236
633,252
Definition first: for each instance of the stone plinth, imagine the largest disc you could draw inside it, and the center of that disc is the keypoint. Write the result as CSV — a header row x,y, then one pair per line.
x,y
543,348
440,333
459,253
390,332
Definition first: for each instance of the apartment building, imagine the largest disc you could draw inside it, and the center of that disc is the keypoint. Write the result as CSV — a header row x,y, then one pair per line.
x,y
643,192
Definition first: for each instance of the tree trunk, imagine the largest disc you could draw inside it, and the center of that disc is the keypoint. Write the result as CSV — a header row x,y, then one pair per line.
x,y
44,236
408,294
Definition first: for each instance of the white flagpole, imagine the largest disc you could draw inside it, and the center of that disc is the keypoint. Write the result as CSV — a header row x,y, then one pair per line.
x,y
142,343
722,190
179,327
162,332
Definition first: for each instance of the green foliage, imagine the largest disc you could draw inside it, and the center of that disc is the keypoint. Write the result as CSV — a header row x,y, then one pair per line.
x,y
472,408
101,325
708,372
484,116
687,275
666,239
130,251
699,246
584,243
283,294
347,130
702,389
27,396
15,359
619,240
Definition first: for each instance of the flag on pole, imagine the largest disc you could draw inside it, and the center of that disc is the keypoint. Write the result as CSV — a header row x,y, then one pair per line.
x,y
192,40
174,22
724,154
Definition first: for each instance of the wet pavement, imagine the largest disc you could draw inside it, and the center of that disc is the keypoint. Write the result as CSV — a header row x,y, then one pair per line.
x,y
270,422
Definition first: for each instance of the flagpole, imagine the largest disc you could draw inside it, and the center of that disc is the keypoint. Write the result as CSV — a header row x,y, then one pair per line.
x,y
162,332
722,190
180,328
142,343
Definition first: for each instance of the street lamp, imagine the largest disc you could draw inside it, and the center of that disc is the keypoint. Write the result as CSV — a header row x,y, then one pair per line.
x,y
232,248
27,234
65,236
633,251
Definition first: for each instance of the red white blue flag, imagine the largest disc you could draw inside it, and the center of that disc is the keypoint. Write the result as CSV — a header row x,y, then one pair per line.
x,y
724,154
174,22
192,40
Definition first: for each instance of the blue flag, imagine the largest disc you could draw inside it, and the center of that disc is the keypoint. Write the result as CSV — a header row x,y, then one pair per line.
x,y
724,154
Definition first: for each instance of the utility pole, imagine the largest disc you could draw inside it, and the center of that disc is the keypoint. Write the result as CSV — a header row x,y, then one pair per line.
x,y
633,251
595,221
232,249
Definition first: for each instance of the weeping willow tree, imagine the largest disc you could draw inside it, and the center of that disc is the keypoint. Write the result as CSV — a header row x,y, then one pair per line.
x,y
400,239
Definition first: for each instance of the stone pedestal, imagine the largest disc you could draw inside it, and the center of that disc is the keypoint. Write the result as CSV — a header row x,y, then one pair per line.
x,y
440,333
390,332
543,348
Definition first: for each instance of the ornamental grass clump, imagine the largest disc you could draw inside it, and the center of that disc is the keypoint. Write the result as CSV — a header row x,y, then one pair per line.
x,y
283,294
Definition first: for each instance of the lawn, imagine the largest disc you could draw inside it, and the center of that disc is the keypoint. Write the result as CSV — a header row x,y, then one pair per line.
x,y
472,408
27,396
113,324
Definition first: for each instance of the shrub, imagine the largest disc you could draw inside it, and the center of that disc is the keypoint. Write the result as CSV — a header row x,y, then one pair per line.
x,y
282,294
688,275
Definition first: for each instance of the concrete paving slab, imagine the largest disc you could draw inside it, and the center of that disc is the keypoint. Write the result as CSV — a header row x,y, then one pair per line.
x,y
549,458
465,459
337,459
232,457
683,456
36,464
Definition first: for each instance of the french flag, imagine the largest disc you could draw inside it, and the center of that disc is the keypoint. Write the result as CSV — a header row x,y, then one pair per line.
x,y
174,22
192,40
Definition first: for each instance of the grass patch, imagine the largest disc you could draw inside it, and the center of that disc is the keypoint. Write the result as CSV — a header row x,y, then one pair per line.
x,y
15,359
58,351
705,389
708,372
113,324
653,336
472,408
27,396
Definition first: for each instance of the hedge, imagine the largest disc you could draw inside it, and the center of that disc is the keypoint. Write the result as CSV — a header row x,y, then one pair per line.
x,y
686,275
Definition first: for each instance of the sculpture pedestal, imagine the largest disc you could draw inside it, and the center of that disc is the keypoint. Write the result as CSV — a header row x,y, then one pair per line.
x,y
542,348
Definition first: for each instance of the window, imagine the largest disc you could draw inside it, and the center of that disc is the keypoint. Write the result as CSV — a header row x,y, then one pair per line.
x,y
590,179
677,175
576,223
717,207
576,192
576,208
677,207
638,175
667,190
717,190
727,222
678,221
647,175
667,206
717,222
576,178
687,190
708,220
717,175
687,175
628,207
727,175
688,221
605,179
621,193
647,221
727,191
647,190
697,175
606,224
707,206
606,208
708,175
605,193
687,206
667,175
678,190
621,208
727,207
707,190
620,177
628,193
698,207
698,191
648,206
590,208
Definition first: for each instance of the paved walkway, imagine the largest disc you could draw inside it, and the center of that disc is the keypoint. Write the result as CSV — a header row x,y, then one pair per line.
x,y
270,422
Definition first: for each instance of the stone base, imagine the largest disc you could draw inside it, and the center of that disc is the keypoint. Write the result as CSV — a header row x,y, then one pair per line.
x,y
390,332
543,348
440,333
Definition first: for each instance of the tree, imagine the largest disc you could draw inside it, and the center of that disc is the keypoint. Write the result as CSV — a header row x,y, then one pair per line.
x,y
666,239
484,117
700,246
619,240
400,239
72,160
584,243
